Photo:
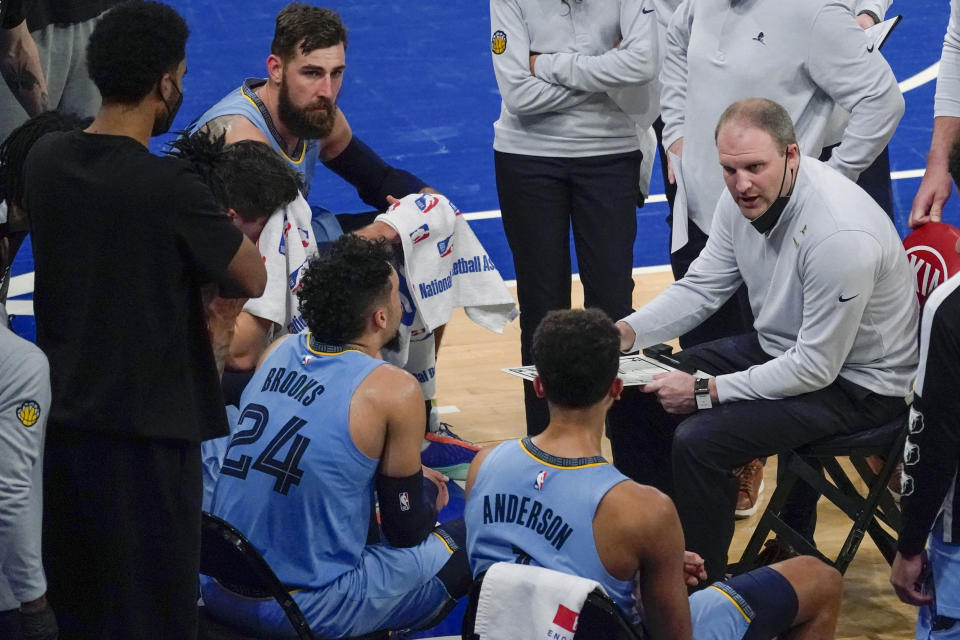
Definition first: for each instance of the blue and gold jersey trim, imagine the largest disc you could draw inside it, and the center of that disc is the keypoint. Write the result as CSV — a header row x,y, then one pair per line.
x,y
248,92
745,610
324,349
557,462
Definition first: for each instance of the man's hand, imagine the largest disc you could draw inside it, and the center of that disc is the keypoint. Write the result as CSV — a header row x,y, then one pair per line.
x,y
533,62
906,576
865,20
674,391
934,190
38,620
676,149
377,230
443,495
627,336
936,185
693,571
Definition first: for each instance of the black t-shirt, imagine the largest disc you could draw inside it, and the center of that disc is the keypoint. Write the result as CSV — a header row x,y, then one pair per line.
x,y
11,13
40,13
122,242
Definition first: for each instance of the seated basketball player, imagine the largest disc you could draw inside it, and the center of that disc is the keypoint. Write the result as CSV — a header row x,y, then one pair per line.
x,y
622,534
250,182
326,425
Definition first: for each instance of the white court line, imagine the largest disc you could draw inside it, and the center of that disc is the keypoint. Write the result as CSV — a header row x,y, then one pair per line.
x,y
922,78
912,173
447,408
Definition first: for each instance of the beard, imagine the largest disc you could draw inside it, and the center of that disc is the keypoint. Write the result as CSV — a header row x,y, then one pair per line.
x,y
394,343
313,121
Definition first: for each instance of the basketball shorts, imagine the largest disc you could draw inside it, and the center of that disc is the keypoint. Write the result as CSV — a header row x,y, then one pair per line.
x,y
756,605
390,588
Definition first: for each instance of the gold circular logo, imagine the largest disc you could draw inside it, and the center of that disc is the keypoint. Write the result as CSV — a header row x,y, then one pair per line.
x,y
28,412
499,42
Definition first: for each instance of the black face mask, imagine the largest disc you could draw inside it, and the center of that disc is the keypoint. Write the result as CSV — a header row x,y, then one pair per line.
x,y
769,218
163,124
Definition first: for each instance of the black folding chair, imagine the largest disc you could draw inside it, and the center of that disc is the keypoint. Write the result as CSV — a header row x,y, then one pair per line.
x,y
599,619
866,512
227,556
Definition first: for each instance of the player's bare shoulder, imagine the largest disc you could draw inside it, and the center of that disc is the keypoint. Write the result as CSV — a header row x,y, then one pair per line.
x,y
388,400
388,389
234,128
634,507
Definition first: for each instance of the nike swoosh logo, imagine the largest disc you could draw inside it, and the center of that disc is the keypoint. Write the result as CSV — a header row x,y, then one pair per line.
x,y
842,299
646,10
870,48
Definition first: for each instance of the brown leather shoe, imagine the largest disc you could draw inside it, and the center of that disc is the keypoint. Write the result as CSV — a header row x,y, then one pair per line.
x,y
751,486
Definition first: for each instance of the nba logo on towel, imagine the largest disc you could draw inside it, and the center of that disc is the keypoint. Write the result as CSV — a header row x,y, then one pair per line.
x,y
426,202
404,501
538,485
566,618
445,246
420,233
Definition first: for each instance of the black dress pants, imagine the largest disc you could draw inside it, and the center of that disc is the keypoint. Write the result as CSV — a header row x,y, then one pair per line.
x,y
121,535
690,457
540,200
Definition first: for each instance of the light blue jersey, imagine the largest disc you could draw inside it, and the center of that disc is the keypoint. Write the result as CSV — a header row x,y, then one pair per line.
x,y
296,485
529,507
245,102
292,466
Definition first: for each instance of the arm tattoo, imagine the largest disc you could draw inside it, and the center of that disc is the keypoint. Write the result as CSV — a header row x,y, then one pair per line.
x,y
218,126
22,83
21,80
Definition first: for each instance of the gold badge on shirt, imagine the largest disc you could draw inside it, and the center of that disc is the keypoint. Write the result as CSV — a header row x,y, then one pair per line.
x,y
28,413
498,44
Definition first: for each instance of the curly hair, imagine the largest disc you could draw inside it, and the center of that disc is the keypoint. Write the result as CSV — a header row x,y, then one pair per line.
x,y
300,26
132,46
340,287
14,150
246,176
577,355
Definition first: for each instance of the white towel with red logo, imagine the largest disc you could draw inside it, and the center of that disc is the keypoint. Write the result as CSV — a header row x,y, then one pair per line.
x,y
445,264
523,601
286,243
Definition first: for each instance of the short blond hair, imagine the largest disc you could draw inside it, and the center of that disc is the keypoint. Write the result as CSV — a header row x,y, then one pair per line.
x,y
763,114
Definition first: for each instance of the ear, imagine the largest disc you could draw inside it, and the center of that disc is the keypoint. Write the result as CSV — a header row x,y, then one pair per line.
x,y
380,318
274,68
233,214
616,388
793,155
538,388
161,91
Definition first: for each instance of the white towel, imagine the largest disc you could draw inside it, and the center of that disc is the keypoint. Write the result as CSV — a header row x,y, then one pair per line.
x,y
523,601
286,243
445,264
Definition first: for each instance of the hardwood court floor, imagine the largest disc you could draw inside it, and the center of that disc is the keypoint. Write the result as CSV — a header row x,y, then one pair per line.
x,y
490,409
